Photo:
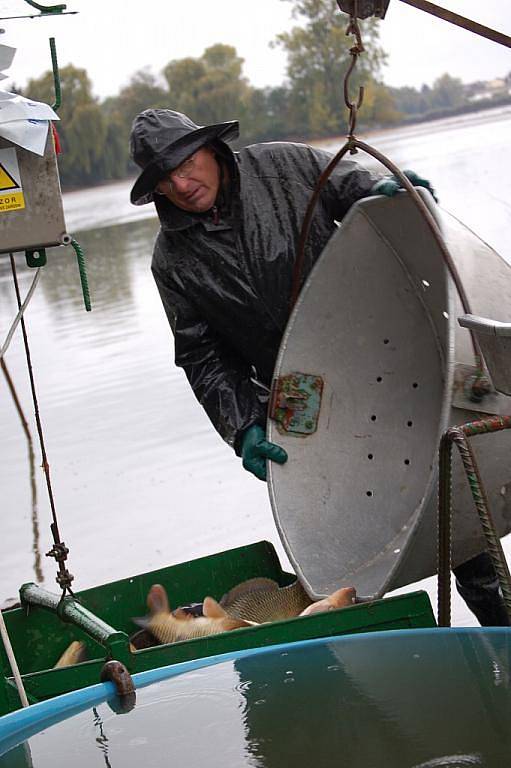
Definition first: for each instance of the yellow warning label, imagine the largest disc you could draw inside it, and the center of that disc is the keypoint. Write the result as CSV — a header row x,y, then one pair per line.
x,y
11,191
6,180
11,201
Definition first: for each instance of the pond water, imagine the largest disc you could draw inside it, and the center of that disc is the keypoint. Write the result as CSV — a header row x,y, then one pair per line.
x,y
140,478
407,700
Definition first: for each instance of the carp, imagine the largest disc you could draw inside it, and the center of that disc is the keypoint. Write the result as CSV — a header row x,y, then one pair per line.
x,y
173,627
342,598
74,654
262,600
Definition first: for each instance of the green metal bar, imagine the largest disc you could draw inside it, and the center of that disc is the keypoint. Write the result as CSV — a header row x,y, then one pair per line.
x,y
47,9
56,75
70,610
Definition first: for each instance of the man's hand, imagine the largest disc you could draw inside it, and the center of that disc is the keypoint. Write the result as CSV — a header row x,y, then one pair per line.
x,y
391,185
255,449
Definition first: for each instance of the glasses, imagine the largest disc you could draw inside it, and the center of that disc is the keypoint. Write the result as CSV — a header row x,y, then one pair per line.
x,y
183,171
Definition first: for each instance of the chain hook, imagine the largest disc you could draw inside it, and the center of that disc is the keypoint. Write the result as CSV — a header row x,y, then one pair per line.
x,y
355,51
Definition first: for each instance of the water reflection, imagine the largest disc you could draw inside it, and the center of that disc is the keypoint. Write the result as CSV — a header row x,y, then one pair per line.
x,y
309,709
102,739
110,256
31,468
392,700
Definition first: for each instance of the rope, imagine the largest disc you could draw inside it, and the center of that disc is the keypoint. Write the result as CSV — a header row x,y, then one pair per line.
x,y
12,661
18,317
59,551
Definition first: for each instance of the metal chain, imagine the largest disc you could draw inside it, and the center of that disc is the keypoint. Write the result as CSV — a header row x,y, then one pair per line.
x,y
355,51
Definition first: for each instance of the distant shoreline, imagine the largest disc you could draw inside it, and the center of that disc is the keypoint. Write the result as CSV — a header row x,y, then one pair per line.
x,y
364,131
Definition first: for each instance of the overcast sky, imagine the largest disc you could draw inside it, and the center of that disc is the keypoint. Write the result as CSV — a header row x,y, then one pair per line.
x,y
112,39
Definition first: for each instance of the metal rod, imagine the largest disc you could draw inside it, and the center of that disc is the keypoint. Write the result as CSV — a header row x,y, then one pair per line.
x,y
304,233
483,509
70,610
444,531
459,435
37,16
460,21
56,75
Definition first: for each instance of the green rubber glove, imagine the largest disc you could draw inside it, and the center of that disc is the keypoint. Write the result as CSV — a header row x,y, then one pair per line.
x,y
255,449
391,185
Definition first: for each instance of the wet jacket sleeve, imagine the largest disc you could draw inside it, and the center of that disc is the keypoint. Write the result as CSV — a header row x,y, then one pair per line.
x,y
348,182
220,380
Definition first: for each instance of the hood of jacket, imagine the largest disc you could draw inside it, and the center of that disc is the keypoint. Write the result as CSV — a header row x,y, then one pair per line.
x,y
162,139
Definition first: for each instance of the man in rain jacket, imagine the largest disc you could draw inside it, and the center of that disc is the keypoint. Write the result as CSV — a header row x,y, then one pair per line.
x,y
223,262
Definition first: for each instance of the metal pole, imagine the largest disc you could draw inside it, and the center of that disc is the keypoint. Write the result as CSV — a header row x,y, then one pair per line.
x,y
460,21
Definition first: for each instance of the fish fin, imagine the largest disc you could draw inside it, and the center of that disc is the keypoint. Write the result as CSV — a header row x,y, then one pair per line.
x,y
246,587
141,621
75,653
343,597
212,609
157,600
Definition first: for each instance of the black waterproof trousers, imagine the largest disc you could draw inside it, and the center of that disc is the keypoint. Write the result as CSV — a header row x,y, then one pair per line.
x,y
478,585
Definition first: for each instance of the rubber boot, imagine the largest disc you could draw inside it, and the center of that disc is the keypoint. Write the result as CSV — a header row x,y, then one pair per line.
x,y
478,585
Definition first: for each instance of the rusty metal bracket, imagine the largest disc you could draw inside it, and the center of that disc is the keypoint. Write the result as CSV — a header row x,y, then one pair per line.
x,y
378,8
117,673
295,403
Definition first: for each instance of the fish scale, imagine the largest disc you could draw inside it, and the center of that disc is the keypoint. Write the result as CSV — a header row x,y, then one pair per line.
x,y
262,600
167,629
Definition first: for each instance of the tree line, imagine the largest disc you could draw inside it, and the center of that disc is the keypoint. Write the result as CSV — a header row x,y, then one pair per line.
x,y
211,88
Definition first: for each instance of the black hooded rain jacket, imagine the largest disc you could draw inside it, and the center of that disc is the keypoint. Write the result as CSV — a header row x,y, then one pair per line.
x,y
225,280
